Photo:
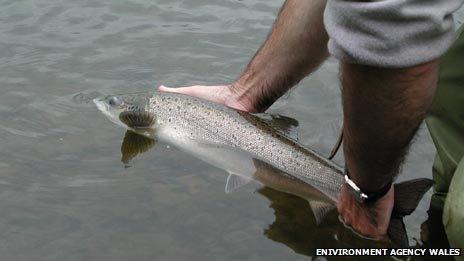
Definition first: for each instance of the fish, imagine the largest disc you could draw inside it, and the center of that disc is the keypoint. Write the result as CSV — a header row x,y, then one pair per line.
x,y
248,147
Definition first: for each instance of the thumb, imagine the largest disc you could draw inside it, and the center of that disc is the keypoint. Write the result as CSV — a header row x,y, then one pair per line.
x,y
163,88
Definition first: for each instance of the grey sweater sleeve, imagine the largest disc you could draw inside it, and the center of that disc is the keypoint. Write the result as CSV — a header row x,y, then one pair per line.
x,y
389,33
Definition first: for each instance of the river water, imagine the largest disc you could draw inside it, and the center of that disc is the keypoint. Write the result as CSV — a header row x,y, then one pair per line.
x,y
64,192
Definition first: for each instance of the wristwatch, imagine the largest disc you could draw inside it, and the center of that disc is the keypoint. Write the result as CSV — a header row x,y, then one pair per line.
x,y
365,197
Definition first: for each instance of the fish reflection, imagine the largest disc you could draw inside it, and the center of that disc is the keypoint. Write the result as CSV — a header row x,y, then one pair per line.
x,y
134,144
305,218
296,227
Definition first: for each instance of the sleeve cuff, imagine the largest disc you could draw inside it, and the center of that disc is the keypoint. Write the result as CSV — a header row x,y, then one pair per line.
x,y
390,33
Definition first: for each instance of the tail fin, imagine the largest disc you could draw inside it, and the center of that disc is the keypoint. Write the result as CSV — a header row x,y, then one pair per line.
x,y
407,197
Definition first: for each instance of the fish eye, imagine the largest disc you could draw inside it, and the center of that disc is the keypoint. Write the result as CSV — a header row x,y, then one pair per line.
x,y
114,101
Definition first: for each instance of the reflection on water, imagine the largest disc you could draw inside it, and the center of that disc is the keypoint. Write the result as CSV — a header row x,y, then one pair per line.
x,y
134,144
64,193
296,225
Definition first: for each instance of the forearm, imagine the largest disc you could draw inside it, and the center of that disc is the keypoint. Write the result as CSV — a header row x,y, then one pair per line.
x,y
382,110
296,46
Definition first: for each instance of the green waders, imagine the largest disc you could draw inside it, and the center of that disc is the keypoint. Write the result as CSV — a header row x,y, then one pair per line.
x,y
446,126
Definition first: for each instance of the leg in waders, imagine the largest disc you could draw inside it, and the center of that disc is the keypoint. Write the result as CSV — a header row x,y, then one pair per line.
x,y
446,126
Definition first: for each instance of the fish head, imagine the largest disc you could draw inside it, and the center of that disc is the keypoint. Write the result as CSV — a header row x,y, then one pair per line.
x,y
131,111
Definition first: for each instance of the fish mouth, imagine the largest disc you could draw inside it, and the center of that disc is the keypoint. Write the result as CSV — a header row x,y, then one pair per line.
x,y
106,110
100,104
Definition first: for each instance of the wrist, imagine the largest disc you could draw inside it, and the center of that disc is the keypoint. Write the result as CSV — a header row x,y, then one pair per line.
x,y
232,96
256,91
238,94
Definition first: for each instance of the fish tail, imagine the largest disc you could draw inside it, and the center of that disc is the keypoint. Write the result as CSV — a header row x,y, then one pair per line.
x,y
407,197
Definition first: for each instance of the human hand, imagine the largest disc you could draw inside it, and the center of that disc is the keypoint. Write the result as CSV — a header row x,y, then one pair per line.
x,y
370,220
222,94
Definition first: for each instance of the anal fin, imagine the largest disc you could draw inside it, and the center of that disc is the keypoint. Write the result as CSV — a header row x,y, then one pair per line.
x,y
320,209
235,181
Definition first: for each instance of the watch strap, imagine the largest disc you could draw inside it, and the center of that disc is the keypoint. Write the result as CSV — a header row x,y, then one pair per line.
x,y
366,196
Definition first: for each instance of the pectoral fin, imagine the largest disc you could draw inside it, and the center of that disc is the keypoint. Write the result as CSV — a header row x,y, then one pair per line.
x,y
235,181
137,119
320,209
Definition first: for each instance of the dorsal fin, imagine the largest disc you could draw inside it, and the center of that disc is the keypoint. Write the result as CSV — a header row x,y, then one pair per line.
x,y
286,125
